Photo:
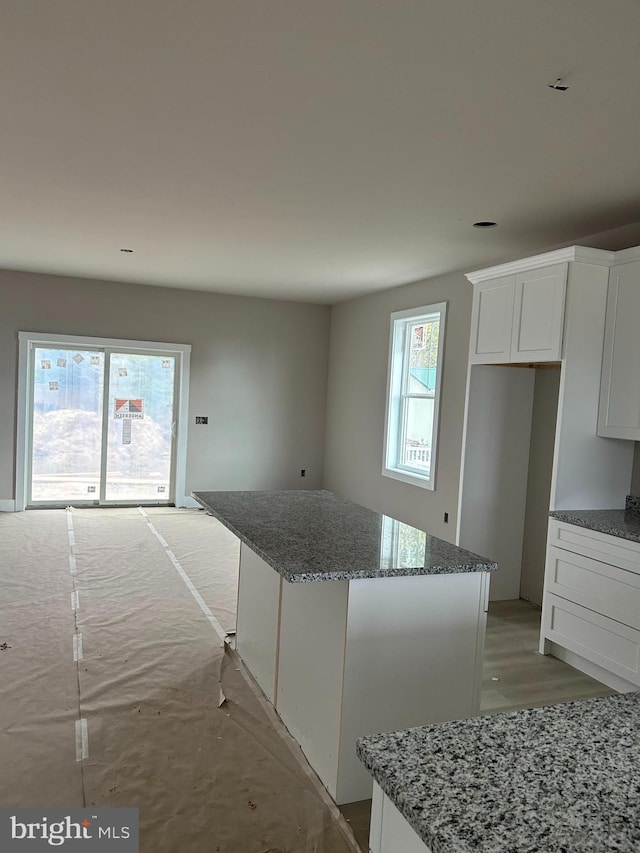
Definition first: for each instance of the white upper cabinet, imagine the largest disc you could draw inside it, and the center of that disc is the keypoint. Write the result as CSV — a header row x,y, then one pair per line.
x,y
519,317
538,314
619,412
492,320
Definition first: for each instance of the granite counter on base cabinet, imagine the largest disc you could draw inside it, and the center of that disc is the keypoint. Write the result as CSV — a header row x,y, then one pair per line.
x,y
544,780
352,622
591,600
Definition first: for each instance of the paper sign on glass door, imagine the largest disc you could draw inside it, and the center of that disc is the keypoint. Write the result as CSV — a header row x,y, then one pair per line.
x,y
127,408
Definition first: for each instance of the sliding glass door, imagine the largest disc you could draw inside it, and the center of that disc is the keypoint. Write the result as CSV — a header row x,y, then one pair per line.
x,y
139,446
66,441
101,424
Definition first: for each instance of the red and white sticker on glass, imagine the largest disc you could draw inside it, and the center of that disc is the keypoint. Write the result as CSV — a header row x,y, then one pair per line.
x,y
128,408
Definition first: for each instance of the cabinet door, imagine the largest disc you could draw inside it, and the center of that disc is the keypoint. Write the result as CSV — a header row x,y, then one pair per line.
x,y
538,315
619,414
491,321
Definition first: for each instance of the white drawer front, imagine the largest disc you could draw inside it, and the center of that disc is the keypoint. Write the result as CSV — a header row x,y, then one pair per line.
x,y
606,589
611,645
599,546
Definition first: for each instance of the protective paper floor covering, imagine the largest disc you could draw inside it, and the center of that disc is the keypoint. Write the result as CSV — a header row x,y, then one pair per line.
x,y
100,585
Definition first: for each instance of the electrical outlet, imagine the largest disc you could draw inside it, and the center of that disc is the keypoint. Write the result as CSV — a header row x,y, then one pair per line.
x,y
201,420
303,472
446,518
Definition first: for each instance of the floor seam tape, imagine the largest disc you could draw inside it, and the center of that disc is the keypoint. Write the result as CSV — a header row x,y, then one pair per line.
x,y
215,624
82,724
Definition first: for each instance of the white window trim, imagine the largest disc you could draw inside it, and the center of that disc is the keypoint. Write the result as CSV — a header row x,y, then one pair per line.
x,y
399,323
26,339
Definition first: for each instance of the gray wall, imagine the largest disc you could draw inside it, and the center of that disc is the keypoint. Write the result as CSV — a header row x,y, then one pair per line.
x,y
258,370
357,395
543,432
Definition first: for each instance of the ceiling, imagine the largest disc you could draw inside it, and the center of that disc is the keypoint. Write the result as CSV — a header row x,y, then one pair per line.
x,y
311,149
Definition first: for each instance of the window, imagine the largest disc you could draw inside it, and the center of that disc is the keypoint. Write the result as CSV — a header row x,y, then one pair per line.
x,y
413,394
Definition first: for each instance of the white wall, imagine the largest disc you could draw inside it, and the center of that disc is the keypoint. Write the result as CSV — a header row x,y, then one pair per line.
x,y
356,403
494,491
536,519
258,370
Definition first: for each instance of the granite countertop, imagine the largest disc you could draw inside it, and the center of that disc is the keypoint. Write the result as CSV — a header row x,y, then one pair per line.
x,y
560,779
311,536
624,523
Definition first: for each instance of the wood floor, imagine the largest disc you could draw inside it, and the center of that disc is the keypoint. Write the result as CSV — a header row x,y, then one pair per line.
x,y
515,676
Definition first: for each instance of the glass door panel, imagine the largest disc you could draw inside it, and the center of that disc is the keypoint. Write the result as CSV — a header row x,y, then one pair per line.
x,y
66,444
101,424
140,417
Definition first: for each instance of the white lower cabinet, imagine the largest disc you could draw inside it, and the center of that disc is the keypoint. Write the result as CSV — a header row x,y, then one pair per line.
x,y
591,606
376,655
257,622
327,656
390,832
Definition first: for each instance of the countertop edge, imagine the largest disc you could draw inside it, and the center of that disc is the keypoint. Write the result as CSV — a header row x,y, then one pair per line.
x,y
420,830
612,522
378,754
347,574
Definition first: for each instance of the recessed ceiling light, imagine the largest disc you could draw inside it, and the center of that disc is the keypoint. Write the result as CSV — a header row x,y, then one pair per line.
x,y
129,251
486,224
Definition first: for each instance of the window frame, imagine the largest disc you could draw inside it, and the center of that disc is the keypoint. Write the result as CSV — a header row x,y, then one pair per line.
x,y
397,395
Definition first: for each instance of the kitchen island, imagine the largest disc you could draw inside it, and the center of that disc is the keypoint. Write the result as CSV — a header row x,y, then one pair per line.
x,y
560,778
352,622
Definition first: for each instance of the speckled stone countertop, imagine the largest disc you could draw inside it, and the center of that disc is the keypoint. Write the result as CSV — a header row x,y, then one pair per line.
x,y
561,779
624,523
311,536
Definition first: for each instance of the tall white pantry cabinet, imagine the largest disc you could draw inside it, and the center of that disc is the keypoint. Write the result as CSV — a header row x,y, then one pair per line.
x,y
546,310
619,415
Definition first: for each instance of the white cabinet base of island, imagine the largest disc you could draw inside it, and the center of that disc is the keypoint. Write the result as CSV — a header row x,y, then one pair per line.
x,y
389,831
341,659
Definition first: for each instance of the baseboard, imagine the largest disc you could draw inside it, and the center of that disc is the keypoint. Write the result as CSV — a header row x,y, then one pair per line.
x,y
612,680
10,506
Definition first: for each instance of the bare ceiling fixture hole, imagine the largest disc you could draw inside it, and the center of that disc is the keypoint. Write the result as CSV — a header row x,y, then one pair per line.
x,y
559,85
128,251
485,224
